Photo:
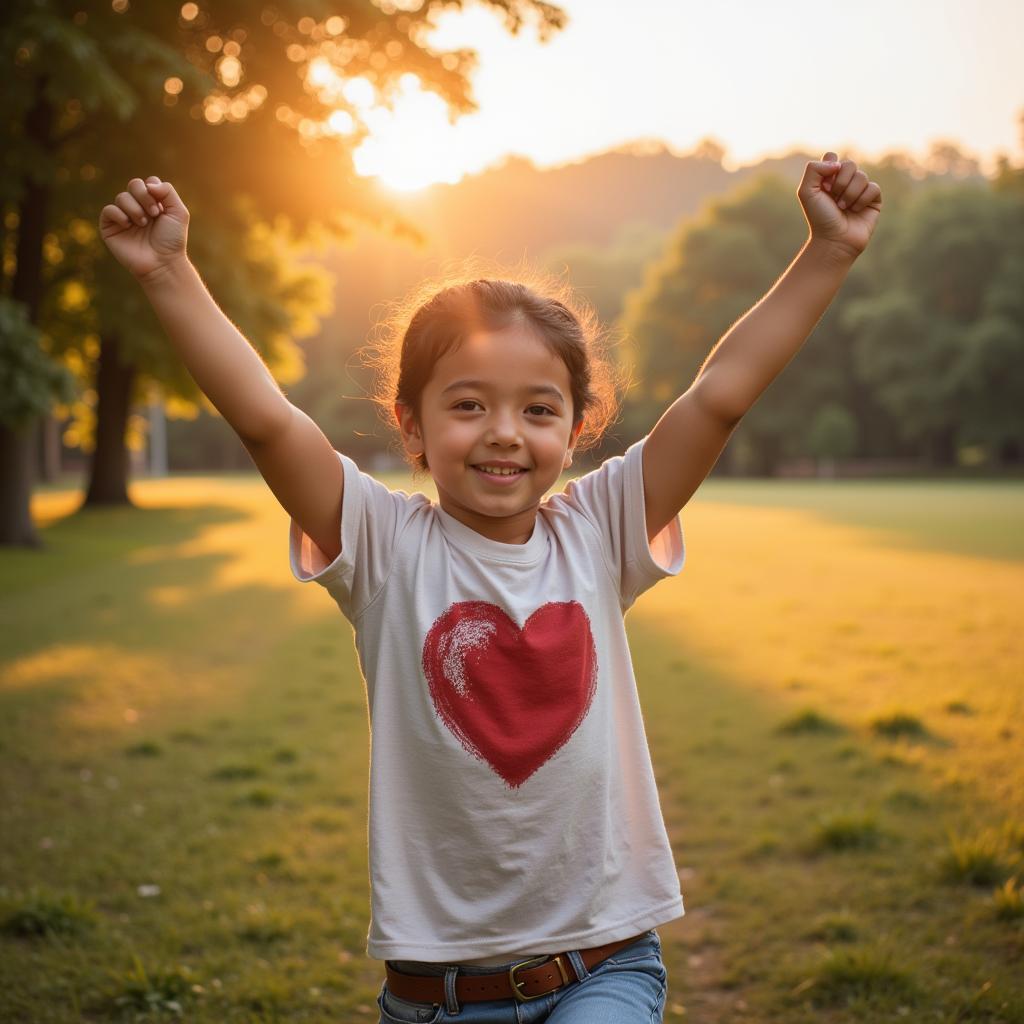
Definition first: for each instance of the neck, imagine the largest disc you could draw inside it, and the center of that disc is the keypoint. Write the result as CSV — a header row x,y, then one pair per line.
x,y
514,529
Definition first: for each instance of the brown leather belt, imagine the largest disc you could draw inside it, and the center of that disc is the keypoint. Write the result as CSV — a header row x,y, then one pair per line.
x,y
526,980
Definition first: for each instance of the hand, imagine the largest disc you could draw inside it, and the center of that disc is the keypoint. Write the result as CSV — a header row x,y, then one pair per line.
x,y
146,227
840,204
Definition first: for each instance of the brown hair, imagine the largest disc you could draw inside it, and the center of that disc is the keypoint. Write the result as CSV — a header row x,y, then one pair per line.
x,y
438,315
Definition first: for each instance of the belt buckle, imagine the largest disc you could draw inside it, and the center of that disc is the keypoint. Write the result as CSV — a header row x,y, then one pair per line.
x,y
533,962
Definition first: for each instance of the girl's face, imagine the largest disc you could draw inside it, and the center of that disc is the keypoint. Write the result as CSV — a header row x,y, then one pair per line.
x,y
501,398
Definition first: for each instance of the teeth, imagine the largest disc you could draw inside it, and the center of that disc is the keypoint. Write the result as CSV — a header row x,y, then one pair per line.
x,y
498,472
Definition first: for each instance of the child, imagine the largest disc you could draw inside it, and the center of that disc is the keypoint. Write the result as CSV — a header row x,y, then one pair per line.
x,y
518,857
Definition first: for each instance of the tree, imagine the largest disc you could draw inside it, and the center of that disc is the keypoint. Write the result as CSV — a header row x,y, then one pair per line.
x,y
227,102
833,435
715,269
29,382
942,342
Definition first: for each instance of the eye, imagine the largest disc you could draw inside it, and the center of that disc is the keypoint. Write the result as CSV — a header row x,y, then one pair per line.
x,y
464,402
543,409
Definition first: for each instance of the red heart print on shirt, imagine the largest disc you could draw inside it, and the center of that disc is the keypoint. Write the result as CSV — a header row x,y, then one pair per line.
x,y
512,697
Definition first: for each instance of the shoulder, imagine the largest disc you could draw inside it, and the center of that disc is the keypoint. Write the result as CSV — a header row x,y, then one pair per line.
x,y
588,493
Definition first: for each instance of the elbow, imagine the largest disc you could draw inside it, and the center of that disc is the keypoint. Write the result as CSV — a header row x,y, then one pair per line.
x,y
273,422
718,401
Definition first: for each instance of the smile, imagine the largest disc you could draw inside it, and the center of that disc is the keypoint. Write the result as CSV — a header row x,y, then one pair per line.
x,y
500,476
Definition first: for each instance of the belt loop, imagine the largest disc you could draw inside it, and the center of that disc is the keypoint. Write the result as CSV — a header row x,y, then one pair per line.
x,y
578,965
451,1003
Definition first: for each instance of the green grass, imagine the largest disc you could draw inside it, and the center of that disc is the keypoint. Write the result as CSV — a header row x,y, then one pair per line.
x,y
831,691
899,724
808,721
971,517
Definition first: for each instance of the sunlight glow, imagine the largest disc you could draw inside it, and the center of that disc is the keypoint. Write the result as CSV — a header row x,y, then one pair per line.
x,y
411,143
321,75
359,92
607,80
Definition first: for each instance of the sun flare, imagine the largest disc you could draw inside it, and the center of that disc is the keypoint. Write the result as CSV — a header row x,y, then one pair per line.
x,y
411,143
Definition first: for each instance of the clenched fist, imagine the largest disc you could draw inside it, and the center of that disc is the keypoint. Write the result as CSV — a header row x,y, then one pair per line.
x,y
146,226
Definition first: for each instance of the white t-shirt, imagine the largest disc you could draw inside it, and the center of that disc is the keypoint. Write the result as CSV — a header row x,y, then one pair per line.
x,y
512,802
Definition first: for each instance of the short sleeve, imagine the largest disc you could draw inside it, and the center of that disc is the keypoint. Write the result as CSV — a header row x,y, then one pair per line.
x,y
611,497
372,518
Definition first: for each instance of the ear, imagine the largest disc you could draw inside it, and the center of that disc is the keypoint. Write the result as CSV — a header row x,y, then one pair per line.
x,y
411,435
574,436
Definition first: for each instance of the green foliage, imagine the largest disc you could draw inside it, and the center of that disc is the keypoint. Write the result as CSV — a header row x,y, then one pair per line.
x,y
605,274
808,721
95,88
980,859
845,831
1008,900
140,995
270,859
840,926
899,725
1012,834
29,380
146,748
266,931
866,974
42,913
900,799
833,432
959,707
261,796
922,350
764,845
941,344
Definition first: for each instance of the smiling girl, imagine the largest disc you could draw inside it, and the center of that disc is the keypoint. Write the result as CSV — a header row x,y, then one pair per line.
x,y
519,862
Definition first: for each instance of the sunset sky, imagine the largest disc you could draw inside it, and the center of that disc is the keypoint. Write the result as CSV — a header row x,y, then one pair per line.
x,y
760,79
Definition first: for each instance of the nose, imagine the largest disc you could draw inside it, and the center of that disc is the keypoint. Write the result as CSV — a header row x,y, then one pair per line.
x,y
503,428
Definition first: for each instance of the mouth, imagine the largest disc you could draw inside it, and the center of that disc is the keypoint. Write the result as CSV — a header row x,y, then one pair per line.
x,y
503,476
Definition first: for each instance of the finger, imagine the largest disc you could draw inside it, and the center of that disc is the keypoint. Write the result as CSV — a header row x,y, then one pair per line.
x,y
127,202
137,187
111,214
154,180
847,170
818,172
829,157
852,191
163,191
871,196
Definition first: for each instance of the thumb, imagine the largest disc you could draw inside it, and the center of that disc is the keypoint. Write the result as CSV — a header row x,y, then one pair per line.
x,y
824,169
163,192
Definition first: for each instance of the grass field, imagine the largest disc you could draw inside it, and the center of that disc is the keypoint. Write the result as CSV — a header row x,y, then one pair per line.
x,y
833,689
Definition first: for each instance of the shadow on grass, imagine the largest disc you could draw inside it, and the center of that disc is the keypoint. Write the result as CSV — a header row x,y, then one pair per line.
x,y
745,784
778,817
978,518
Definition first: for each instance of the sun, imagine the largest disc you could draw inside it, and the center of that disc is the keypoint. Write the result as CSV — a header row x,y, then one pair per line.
x,y
411,143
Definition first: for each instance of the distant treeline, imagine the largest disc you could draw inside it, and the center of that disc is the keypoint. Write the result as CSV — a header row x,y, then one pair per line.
x,y
919,361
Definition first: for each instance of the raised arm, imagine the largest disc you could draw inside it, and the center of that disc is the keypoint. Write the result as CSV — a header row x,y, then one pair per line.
x,y
146,230
841,207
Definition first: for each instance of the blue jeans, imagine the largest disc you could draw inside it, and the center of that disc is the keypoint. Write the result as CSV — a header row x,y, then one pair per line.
x,y
629,987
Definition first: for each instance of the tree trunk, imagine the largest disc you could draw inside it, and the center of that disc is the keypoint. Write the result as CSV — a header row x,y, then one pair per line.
x,y
767,452
157,438
1010,452
942,447
108,471
49,448
18,447
17,450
